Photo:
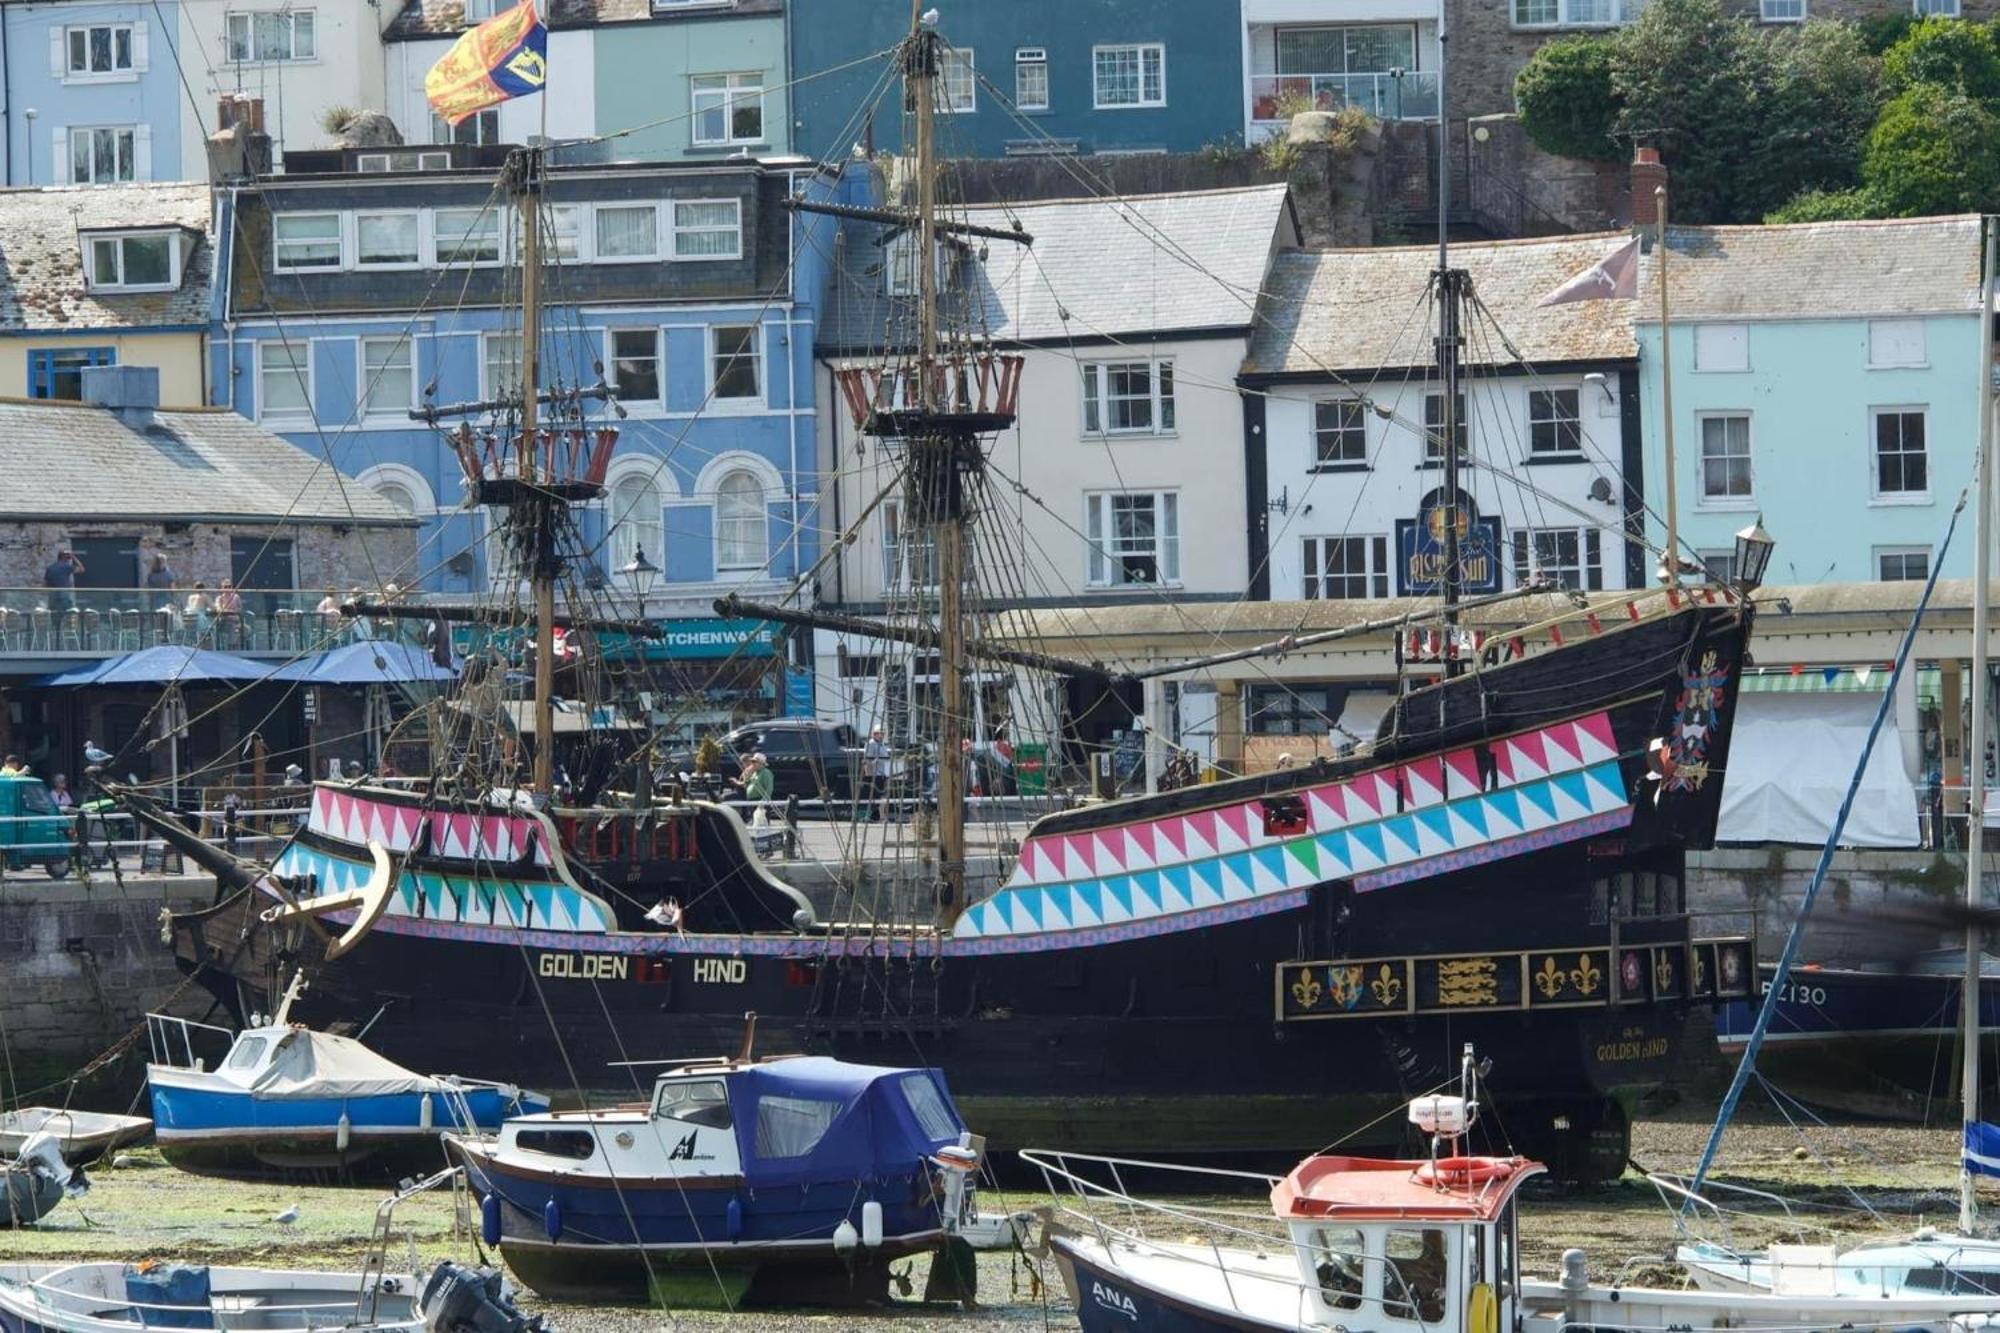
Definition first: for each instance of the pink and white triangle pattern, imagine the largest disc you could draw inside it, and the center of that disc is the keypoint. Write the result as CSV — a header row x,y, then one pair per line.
x,y
354,818
1562,747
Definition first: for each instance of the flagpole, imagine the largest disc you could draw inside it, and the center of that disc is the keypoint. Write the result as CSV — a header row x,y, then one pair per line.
x,y
1670,568
1975,810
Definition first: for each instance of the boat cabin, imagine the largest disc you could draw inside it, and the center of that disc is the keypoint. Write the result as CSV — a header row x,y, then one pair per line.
x,y
1393,1245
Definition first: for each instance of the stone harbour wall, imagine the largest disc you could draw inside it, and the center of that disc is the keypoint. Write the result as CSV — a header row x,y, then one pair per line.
x,y
1864,912
82,965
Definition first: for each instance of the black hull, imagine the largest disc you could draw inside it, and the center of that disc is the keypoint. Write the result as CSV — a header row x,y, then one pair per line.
x,y
1211,1033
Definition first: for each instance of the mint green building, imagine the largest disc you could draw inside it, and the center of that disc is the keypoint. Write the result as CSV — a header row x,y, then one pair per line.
x,y
1825,377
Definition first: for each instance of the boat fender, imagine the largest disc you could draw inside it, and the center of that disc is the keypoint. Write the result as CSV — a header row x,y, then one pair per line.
x,y
1482,1311
489,1219
343,1132
845,1238
424,1114
732,1220
1463,1170
552,1219
871,1224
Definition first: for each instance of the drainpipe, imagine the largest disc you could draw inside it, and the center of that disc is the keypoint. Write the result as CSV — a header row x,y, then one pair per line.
x,y
6,96
791,361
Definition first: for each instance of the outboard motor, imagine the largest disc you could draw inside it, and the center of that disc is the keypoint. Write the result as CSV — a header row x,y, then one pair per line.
x,y
458,1299
42,1155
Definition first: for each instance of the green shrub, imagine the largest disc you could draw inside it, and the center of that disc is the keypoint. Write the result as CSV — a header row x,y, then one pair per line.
x,y
1951,53
1828,206
1932,152
1567,105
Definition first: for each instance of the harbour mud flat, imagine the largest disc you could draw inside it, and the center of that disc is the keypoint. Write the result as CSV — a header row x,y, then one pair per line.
x,y
1906,1173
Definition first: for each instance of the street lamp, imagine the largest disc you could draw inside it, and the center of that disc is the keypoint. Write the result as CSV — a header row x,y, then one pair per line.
x,y
640,575
1753,554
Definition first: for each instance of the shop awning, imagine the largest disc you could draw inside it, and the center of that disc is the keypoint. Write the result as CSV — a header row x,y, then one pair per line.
x,y
369,662
165,664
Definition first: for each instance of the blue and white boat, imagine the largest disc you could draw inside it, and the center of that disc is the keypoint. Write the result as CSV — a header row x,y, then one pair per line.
x,y
287,1098
798,1178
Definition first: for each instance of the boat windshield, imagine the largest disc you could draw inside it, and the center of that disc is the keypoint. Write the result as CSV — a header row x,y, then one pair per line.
x,y
249,1050
1337,1264
1417,1258
697,1101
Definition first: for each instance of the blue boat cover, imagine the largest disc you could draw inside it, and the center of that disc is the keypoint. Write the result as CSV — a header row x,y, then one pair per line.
x,y
151,1286
814,1120
1982,1149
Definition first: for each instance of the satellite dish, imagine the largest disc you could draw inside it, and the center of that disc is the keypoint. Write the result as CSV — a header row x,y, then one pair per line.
x,y
1600,490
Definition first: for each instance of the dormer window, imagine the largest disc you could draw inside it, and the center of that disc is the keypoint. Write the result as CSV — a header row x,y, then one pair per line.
x,y
132,261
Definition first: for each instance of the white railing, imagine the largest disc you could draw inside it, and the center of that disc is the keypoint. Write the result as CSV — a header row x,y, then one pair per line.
x,y
1085,1201
1411,95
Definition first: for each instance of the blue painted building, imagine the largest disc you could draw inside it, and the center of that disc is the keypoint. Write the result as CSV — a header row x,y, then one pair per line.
x,y
92,96
1824,376
1026,76
356,298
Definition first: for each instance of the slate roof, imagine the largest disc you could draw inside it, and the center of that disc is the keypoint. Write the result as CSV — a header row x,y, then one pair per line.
x,y
1819,270
1149,264
73,461
420,19
41,258
1352,310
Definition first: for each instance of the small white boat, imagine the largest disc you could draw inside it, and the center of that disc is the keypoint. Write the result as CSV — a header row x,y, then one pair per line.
x,y
111,1296
84,1136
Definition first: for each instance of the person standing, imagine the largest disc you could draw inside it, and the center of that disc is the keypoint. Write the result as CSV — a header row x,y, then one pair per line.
x,y
875,763
59,792
60,579
196,609
160,583
756,779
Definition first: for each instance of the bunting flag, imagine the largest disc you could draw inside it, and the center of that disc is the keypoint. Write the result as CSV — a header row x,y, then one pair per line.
x,y
505,57
1982,1149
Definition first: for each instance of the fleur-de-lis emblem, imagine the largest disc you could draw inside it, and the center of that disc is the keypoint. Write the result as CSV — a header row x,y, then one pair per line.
x,y
1663,973
1586,976
1549,980
1306,991
1388,987
1700,972
1346,983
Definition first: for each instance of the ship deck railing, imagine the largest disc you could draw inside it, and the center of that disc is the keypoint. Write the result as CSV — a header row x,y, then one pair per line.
x,y
1693,1212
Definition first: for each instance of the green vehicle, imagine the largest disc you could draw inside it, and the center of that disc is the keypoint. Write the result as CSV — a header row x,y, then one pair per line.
x,y
33,829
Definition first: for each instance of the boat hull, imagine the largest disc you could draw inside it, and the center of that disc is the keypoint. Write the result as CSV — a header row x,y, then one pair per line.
x,y
237,1134
85,1135
594,1238
28,1196
1110,1300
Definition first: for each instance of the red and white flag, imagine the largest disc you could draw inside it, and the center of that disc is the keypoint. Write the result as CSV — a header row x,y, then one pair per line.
x,y
1614,278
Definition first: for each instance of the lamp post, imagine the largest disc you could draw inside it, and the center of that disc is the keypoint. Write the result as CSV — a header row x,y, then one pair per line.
x,y
640,575
1753,555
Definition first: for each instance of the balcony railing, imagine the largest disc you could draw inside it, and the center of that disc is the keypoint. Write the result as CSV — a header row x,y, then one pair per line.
x,y
107,621
1411,95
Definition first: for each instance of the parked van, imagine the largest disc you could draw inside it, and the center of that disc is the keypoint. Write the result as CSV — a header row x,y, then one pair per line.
x,y
33,829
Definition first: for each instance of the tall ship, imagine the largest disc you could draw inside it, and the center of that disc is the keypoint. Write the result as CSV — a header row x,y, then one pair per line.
x,y
1222,967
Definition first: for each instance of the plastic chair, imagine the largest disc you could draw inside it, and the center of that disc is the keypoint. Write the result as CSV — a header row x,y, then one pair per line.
x,y
86,626
41,630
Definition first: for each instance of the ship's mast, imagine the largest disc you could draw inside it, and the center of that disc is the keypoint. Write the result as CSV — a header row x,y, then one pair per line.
x,y
1450,285
527,190
934,469
1975,786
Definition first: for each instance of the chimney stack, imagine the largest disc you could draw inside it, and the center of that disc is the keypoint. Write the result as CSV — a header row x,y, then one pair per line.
x,y
1648,175
239,147
133,392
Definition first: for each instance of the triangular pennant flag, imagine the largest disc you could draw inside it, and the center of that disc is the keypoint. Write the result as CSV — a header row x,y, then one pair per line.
x,y
1863,673
1831,674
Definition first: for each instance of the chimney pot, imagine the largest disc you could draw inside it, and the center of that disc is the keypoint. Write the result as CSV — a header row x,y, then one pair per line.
x,y
1649,176
133,392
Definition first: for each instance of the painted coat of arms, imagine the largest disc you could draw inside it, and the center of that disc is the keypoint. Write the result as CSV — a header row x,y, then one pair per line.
x,y
1680,759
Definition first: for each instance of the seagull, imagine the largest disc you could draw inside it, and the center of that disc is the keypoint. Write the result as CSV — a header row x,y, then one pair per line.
x,y
289,1216
95,755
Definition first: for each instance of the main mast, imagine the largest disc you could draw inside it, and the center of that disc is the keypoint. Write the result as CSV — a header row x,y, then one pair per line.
x,y
1450,285
1975,810
527,191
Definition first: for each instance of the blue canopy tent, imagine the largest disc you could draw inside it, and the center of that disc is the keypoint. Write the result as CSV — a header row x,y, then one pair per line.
x,y
170,666
166,664
367,662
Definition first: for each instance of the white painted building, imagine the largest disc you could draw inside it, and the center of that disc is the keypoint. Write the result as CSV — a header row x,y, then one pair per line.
x,y
1121,481
301,61
1380,55
567,110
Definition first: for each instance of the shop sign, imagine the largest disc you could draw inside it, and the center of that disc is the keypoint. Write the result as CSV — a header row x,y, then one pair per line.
x,y
1420,549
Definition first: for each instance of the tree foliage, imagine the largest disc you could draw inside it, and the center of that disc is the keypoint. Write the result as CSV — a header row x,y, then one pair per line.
x,y
1828,206
1933,152
1684,75
1567,105
1949,53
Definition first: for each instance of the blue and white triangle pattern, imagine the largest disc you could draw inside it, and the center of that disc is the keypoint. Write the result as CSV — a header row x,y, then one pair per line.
x,y
1546,806
516,904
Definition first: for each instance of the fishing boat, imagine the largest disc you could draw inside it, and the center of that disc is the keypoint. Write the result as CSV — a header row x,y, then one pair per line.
x,y
795,1178
1217,967
83,1136
35,1180
285,1097
1429,1242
